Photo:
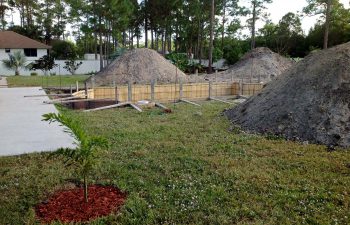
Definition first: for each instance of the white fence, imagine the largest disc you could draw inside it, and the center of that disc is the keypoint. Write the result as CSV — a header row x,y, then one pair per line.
x,y
88,66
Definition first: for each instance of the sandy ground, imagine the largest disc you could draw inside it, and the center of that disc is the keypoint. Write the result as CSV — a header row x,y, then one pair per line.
x,y
141,66
258,65
21,128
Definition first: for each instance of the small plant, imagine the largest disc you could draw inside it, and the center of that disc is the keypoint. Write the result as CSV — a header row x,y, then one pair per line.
x,y
15,62
84,157
72,65
45,64
34,74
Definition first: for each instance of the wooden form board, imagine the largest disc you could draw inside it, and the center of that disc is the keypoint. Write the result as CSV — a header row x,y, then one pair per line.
x,y
81,94
171,92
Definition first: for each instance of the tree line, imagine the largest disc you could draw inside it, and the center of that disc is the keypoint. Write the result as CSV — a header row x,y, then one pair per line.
x,y
204,29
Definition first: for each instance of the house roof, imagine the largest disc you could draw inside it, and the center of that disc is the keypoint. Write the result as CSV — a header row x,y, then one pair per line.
x,y
10,39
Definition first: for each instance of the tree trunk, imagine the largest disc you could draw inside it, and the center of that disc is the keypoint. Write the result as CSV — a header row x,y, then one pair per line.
x,y
253,25
146,33
152,39
124,39
138,41
201,44
169,43
163,43
95,29
157,40
85,190
211,45
223,26
326,27
198,39
101,47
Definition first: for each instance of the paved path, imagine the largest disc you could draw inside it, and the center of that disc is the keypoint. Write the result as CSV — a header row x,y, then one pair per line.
x,y
3,82
21,128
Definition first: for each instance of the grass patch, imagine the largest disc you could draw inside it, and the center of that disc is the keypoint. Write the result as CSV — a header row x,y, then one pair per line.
x,y
187,168
46,81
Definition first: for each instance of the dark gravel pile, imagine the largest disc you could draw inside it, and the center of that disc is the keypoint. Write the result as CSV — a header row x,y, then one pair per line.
x,y
310,102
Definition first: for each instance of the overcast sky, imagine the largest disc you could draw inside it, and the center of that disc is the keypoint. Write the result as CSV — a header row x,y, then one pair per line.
x,y
279,8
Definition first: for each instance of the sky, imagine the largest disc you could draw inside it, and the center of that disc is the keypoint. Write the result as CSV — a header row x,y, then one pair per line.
x,y
279,8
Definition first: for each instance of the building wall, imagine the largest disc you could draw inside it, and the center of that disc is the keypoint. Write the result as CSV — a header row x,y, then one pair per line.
x,y
88,66
40,52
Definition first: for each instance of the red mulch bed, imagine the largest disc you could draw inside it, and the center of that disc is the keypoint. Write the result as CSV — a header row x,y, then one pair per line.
x,y
69,205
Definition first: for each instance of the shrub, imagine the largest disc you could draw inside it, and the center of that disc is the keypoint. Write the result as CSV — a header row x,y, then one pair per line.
x,y
33,74
44,64
178,59
72,66
64,50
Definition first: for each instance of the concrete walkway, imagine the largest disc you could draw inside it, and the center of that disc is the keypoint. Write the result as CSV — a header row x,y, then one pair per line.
x,y
3,82
21,128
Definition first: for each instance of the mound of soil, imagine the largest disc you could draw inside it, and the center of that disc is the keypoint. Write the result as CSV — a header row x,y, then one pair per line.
x,y
310,102
139,66
258,65
69,205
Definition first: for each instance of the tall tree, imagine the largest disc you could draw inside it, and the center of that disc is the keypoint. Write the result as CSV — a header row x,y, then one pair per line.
x,y
323,8
339,28
211,41
4,7
257,12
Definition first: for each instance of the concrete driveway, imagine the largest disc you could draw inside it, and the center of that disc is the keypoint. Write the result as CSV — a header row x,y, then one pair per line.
x,y
21,128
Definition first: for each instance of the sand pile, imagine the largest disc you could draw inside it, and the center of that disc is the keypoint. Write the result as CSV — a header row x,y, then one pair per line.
x,y
310,102
258,65
139,66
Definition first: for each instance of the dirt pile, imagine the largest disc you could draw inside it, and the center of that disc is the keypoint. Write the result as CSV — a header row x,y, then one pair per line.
x,y
310,102
258,65
139,66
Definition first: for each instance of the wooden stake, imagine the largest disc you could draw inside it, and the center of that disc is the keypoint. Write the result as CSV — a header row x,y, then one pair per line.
x,y
58,95
116,94
210,89
189,102
108,107
93,81
60,100
77,86
160,105
136,107
75,100
181,89
153,84
86,89
129,92
219,100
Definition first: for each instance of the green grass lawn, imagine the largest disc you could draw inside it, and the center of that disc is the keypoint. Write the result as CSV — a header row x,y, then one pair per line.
x,y
189,168
46,81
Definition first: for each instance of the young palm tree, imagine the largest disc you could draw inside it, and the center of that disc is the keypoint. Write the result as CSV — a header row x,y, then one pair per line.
x,y
15,62
84,157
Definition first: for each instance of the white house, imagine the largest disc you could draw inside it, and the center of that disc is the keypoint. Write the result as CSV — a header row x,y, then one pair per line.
x,y
11,42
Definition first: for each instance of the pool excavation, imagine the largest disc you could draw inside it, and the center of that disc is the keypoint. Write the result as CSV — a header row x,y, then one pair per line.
x,y
154,95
